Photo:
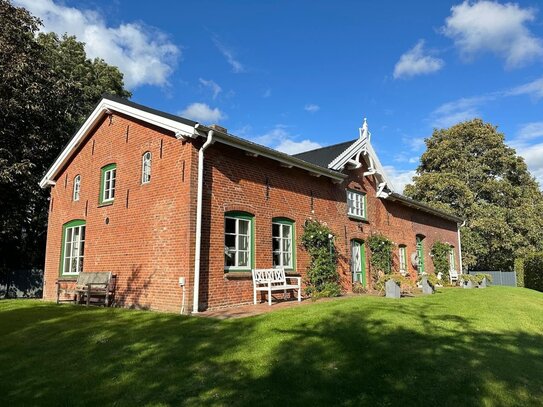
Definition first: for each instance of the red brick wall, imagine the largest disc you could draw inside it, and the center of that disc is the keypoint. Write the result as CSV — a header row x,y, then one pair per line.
x,y
143,237
235,181
149,243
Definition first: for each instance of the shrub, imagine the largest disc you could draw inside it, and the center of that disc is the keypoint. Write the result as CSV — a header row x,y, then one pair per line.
x,y
381,257
432,279
519,271
322,276
358,288
407,286
533,271
440,257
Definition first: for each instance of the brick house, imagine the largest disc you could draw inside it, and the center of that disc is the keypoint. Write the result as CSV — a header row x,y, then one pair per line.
x,y
154,197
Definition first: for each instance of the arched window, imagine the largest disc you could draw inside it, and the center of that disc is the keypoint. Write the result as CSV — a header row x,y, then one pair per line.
x,y
108,182
146,168
73,247
283,243
77,187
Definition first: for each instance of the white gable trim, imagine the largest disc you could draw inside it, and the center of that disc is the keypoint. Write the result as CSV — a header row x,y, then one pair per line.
x,y
104,107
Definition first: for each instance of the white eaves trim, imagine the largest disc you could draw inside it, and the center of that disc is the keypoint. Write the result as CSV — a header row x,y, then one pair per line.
x,y
179,129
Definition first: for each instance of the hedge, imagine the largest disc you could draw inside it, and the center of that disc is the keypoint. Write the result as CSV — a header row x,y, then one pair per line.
x,y
533,271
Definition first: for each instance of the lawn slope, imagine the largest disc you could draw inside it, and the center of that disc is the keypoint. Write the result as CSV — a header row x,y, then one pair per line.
x,y
457,347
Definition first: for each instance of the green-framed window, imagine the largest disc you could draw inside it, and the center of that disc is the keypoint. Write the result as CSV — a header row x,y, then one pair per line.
x,y
420,254
73,247
283,243
108,180
356,204
402,256
238,241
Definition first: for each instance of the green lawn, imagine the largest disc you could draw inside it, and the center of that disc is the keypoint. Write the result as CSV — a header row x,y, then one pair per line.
x,y
457,347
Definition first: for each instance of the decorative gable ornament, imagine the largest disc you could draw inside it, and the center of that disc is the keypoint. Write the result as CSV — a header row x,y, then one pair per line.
x,y
351,159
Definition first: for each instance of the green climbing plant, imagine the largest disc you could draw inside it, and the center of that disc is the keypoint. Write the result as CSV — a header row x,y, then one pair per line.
x,y
440,257
322,275
381,256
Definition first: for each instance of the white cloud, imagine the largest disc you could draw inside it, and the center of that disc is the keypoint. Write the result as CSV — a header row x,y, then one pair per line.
x,y
279,138
415,62
201,112
534,89
414,143
530,131
312,108
144,55
399,178
533,155
459,110
498,28
237,67
212,85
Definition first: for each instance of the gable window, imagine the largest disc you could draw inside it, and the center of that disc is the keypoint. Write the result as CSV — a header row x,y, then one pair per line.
x,y
108,181
73,247
403,259
283,245
356,204
146,168
238,241
77,187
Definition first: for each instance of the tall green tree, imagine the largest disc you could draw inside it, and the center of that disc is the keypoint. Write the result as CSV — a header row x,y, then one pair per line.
x,y
469,171
47,87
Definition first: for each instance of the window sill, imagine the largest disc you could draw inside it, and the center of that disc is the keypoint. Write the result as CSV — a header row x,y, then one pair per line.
x,y
358,218
101,205
238,275
67,278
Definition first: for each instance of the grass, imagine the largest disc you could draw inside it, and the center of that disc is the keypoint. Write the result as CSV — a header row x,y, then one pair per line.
x,y
455,348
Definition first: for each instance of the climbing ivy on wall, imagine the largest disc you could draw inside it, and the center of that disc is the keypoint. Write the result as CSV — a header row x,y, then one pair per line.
x,y
440,257
381,256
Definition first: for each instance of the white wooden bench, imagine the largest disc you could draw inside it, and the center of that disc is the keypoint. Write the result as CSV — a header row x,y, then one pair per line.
x,y
453,276
269,280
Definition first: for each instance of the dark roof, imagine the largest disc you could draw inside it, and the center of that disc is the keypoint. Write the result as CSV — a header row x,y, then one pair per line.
x,y
325,155
160,113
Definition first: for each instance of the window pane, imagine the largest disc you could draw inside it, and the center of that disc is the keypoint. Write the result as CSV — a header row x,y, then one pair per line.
x,y
230,241
286,230
275,229
286,259
286,245
243,242
276,259
275,244
243,227
230,258
230,225
66,268
73,268
243,258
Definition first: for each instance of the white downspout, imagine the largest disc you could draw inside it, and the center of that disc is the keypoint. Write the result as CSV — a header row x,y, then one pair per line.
x,y
460,248
199,200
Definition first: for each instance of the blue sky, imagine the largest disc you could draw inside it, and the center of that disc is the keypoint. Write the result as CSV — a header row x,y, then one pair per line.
x,y
298,75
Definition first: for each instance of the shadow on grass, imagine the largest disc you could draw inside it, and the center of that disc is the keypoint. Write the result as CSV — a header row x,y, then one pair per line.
x,y
75,356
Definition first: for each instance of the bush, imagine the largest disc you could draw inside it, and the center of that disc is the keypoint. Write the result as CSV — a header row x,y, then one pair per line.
x,y
533,271
407,286
440,257
519,271
358,288
322,275
381,257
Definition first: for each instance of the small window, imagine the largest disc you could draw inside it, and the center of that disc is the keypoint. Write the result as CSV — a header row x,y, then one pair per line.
x,y
403,259
238,243
356,204
77,188
73,247
108,182
283,243
146,168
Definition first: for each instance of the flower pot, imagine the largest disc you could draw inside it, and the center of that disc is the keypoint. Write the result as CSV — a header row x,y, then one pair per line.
x,y
467,284
483,284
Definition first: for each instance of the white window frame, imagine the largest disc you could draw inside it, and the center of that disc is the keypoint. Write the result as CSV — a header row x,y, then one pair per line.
x,y
77,188
108,194
236,248
146,161
356,204
281,238
452,260
74,250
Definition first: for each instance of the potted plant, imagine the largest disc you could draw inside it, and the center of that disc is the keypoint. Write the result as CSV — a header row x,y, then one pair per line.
x,y
467,280
483,280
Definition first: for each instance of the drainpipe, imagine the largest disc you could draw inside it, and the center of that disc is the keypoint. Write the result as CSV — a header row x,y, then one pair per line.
x,y
199,200
460,248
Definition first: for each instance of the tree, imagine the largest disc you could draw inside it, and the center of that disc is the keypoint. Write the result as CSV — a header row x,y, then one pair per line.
x,y
47,87
469,171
